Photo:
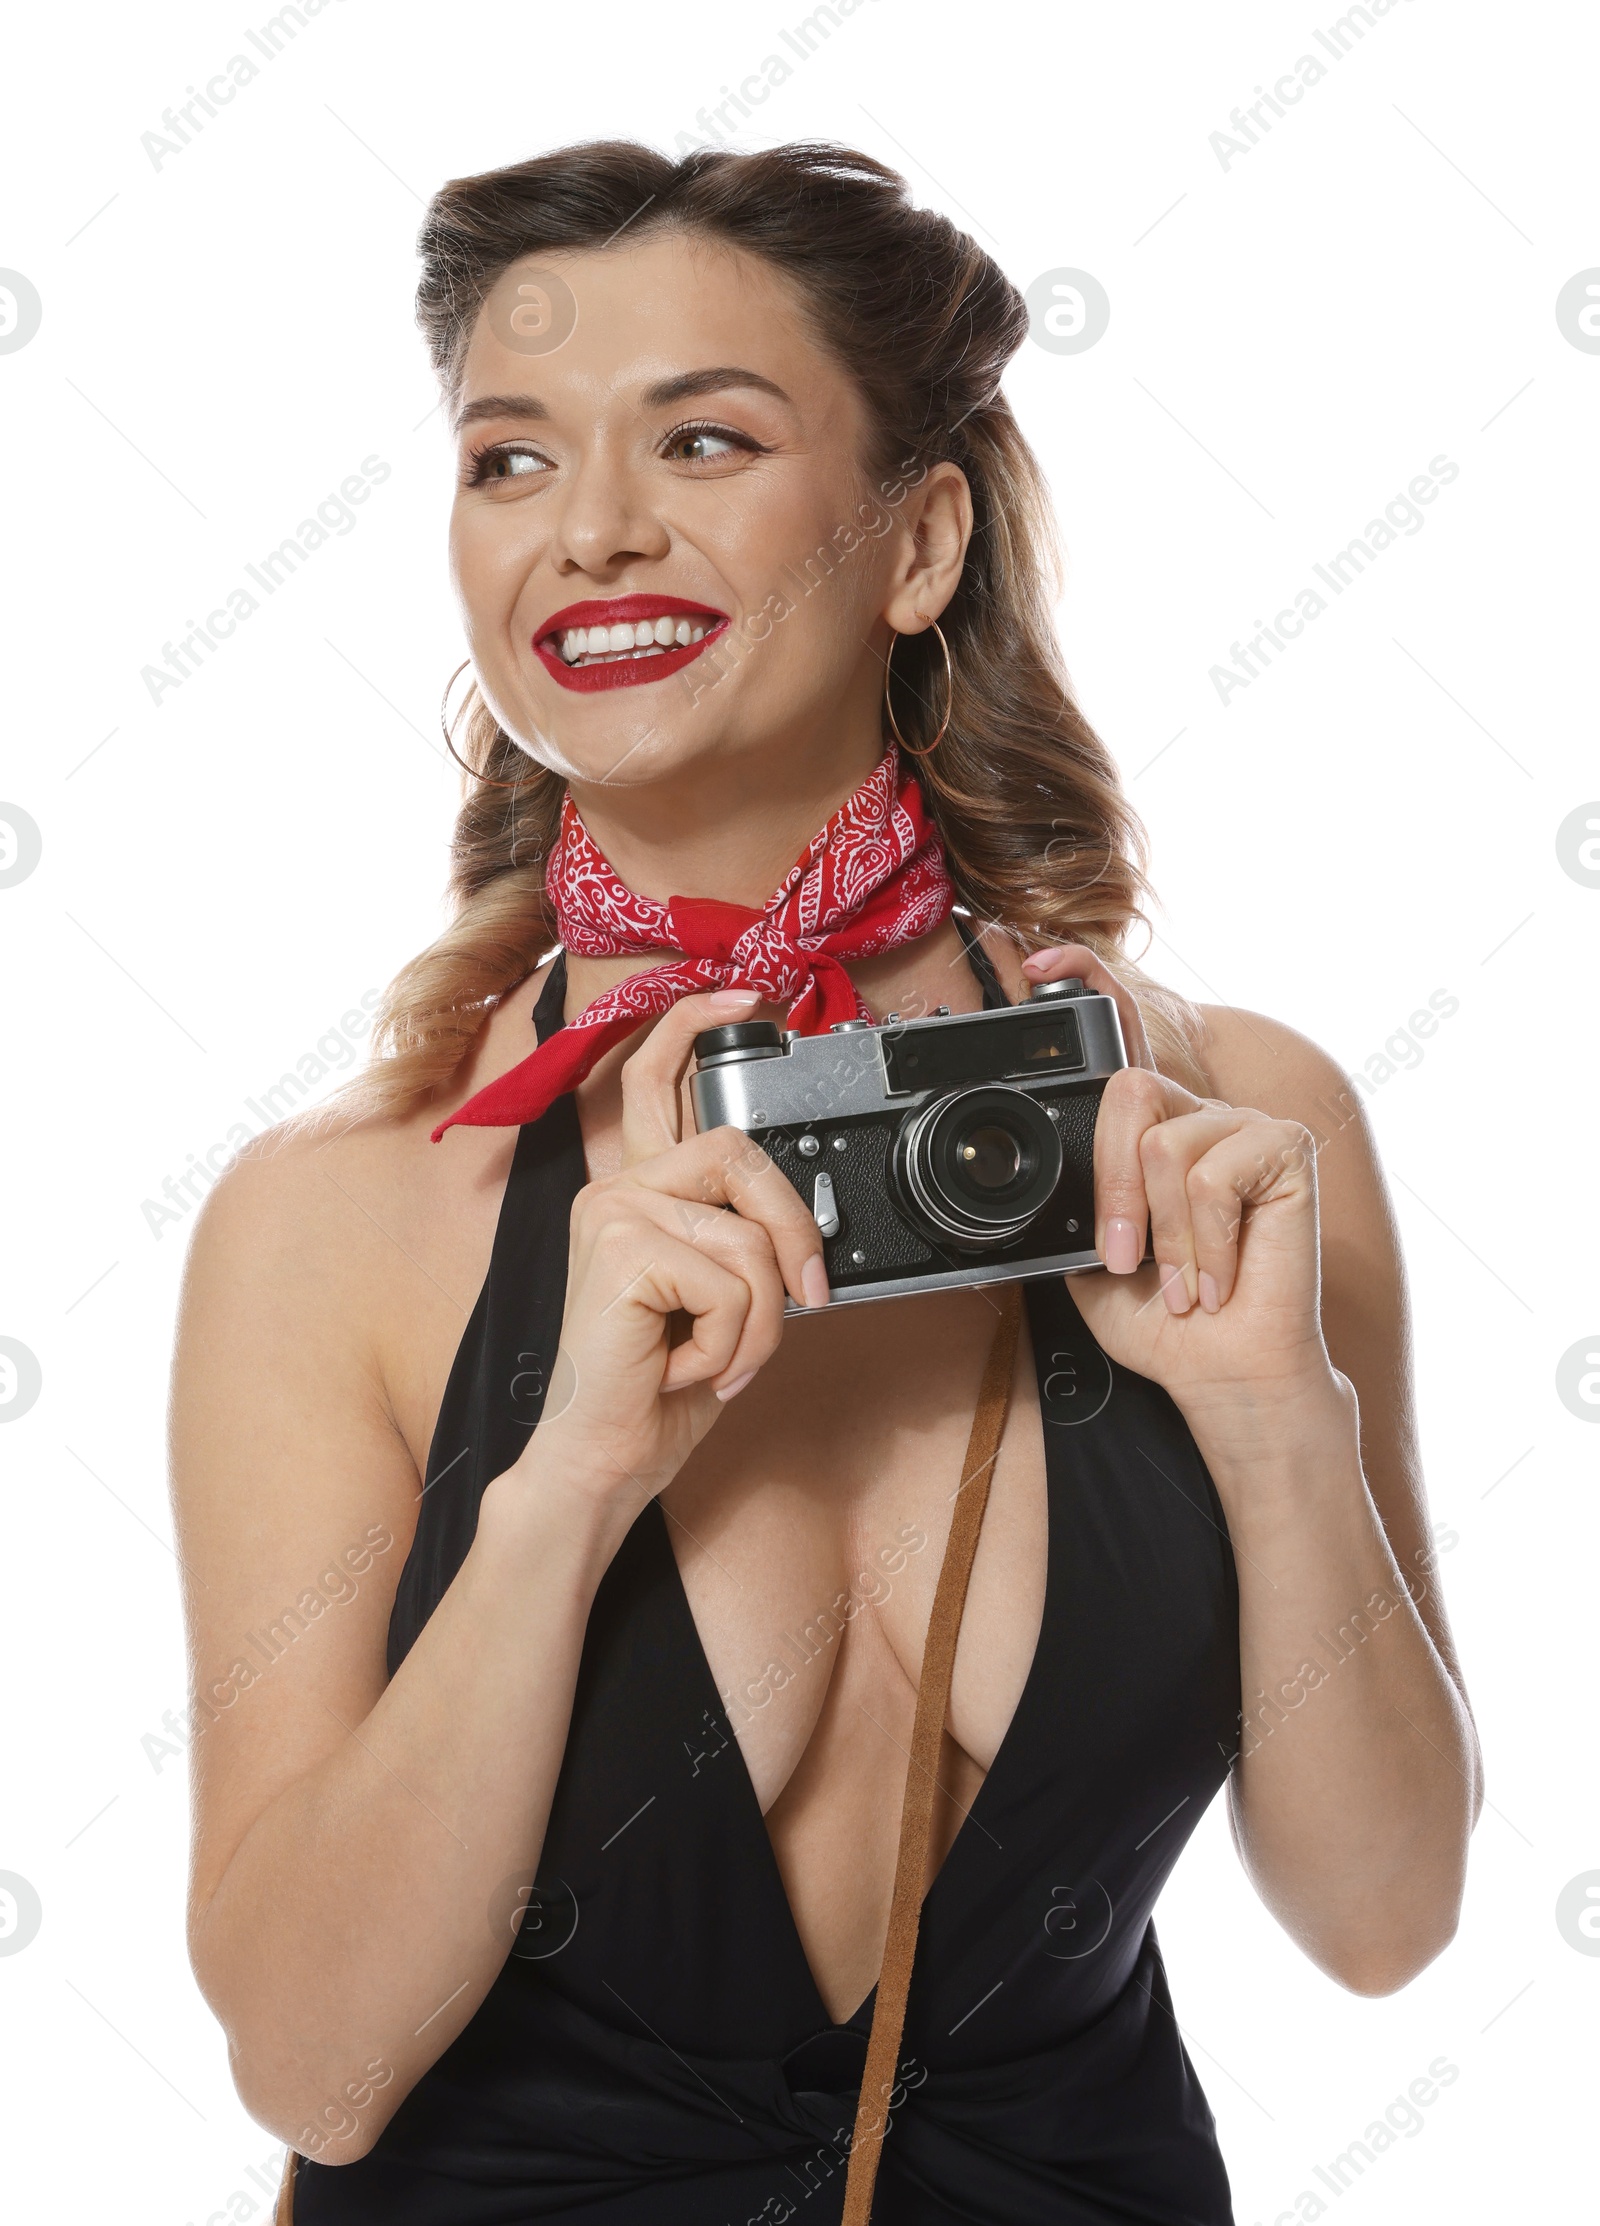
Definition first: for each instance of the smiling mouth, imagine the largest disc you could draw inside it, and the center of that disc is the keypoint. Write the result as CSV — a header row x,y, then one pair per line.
x,y
626,640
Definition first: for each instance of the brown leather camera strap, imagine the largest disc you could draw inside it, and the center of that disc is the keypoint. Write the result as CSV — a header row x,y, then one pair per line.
x,y
916,1815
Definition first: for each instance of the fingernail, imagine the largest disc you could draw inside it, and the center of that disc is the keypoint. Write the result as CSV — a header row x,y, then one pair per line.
x,y
1122,1245
732,1000
1208,1291
732,1391
814,1281
1041,958
1174,1289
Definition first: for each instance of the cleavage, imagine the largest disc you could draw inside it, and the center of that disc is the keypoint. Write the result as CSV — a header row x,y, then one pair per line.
x,y
808,1530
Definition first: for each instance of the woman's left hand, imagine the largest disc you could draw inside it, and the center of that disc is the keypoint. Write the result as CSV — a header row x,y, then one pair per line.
x,y
1226,1316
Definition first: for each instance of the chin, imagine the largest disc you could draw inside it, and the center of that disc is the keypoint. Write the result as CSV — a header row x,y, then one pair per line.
x,y
612,751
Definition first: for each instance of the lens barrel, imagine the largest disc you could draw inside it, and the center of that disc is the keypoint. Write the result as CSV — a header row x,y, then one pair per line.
x,y
979,1164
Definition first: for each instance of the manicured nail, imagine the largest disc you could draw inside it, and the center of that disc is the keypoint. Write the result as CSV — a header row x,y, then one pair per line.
x,y
1208,1291
1174,1289
1041,958
732,1391
814,1281
1122,1245
732,1001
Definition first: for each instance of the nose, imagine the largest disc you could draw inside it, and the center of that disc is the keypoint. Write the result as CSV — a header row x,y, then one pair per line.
x,y
604,519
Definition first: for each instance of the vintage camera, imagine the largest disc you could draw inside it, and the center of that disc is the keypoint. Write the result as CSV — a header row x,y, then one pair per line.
x,y
948,1150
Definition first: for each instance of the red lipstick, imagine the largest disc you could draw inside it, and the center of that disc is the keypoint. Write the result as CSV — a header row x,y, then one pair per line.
x,y
622,670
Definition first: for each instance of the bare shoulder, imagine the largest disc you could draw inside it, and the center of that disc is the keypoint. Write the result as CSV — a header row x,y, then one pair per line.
x,y
1251,1059
282,1317
356,1246
281,1197
292,1238
270,1210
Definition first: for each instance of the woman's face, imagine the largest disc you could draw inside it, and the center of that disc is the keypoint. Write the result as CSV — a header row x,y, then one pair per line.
x,y
681,474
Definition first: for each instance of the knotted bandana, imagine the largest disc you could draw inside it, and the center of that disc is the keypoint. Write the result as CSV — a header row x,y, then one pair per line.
x,y
872,879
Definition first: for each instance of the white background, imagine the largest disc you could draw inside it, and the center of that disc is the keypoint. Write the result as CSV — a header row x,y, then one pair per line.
x,y
1292,339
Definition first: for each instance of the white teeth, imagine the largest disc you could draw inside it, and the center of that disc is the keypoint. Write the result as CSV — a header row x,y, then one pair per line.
x,y
645,638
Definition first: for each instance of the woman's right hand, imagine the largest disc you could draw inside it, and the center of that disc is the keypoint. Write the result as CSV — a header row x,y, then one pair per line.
x,y
630,1396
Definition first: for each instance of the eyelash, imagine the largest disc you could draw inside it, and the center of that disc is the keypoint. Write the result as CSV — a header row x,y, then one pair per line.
x,y
481,460
745,441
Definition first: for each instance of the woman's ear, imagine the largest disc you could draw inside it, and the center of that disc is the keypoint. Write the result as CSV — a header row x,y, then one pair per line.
x,y
938,518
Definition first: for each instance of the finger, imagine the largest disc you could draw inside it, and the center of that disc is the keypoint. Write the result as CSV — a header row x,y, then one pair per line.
x,y
724,1167
631,1274
652,1079
710,1354
1194,1224
1263,1163
1067,959
1134,1100
744,1249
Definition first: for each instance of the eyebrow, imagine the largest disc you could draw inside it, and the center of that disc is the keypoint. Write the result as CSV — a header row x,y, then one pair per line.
x,y
715,379
501,405
690,383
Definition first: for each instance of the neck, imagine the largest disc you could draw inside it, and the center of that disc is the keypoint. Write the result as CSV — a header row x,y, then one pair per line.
x,y
729,826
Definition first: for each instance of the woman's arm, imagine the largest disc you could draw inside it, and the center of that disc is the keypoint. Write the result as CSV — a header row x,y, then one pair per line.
x,y
349,1838
359,1843
1358,1778
1376,1699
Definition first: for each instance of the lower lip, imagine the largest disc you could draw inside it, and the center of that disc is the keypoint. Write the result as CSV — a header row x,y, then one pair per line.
x,y
624,672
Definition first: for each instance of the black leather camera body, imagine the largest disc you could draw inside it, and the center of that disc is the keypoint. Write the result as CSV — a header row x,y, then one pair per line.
x,y
953,1149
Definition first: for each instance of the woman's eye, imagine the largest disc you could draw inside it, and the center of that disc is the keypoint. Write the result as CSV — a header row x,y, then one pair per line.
x,y
704,444
501,464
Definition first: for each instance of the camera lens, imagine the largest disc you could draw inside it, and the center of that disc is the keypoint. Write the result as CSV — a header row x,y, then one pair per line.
x,y
978,1165
989,1158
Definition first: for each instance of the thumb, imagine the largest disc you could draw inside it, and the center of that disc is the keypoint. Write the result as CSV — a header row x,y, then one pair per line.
x,y
652,1080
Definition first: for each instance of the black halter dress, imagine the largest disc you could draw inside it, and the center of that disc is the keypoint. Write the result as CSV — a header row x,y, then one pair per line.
x,y
655,2051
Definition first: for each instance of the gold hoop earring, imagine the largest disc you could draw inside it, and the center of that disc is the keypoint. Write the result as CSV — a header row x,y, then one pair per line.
x,y
950,696
444,729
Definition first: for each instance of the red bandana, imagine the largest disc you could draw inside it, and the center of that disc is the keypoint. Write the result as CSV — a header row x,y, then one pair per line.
x,y
874,878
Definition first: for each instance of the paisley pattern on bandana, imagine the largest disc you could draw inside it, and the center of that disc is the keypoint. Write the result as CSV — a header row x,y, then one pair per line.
x,y
873,878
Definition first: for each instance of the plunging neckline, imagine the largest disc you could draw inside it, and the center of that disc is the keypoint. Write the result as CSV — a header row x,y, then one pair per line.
x,y
747,1798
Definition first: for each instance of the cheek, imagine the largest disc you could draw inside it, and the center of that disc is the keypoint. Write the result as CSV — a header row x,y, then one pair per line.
x,y
801,529
492,554
493,560
809,590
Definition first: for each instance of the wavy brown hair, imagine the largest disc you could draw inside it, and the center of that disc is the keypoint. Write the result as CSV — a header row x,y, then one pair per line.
x,y
1040,838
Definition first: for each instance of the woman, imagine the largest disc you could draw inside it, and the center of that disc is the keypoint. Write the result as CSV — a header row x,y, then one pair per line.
x,y
545,1839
